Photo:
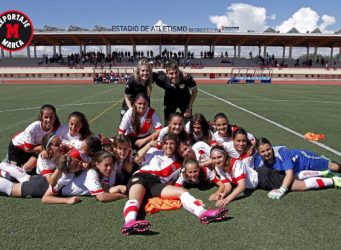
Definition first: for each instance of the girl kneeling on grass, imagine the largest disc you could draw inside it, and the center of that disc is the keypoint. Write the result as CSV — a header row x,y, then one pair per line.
x,y
88,182
159,168
140,123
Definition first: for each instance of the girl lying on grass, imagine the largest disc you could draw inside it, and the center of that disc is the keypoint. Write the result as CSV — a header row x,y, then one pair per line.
x,y
93,181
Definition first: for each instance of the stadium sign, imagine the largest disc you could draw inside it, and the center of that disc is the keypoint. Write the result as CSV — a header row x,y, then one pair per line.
x,y
160,28
16,30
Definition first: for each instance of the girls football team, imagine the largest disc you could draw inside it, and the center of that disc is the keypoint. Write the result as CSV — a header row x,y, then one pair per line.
x,y
59,162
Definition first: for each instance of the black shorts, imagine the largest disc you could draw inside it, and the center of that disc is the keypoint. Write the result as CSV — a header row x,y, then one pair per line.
x,y
269,178
17,155
35,187
150,182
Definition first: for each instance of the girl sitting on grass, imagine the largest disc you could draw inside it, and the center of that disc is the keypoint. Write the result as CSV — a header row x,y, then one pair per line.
x,y
158,169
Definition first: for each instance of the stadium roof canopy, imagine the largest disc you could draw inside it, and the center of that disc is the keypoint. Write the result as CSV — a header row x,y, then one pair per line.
x,y
76,38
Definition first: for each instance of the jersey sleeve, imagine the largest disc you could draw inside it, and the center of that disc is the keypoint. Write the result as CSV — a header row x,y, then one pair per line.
x,y
45,166
239,171
180,181
286,159
161,79
125,122
190,82
128,91
93,183
156,121
211,175
29,136
223,176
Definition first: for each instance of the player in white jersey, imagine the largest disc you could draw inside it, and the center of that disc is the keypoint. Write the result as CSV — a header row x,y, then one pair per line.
x,y
124,165
158,168
139,122
47,165
89,147
88,182
202,154
235,173
76,131
240,147
224,130
25,146
192,174
26,186
175,125
198,129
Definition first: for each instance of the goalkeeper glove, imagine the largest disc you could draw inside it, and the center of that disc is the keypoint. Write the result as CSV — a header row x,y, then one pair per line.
x,y
277,193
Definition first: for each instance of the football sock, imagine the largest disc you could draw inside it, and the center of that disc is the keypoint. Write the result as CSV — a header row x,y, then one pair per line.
x,y
305,174
318,183
14,171
130,210
191,204
6,186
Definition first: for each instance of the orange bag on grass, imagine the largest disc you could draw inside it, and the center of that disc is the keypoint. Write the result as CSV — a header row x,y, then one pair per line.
x,y
313,137
156,204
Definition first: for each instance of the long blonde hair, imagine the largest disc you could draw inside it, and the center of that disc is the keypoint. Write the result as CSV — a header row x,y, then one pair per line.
x,y
137,76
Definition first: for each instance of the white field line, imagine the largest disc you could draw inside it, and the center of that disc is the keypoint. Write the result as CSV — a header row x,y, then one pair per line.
x,y
57,106
232,99
272,122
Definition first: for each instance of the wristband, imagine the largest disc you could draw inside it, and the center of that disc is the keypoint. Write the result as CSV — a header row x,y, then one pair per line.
x,y
283,189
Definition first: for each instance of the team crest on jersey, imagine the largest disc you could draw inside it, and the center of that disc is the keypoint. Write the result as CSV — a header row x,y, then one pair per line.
x,y
181,86
98,183
149,121
136,179
174,168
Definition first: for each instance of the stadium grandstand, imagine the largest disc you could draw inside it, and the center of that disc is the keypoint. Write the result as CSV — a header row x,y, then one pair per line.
x,y
233,60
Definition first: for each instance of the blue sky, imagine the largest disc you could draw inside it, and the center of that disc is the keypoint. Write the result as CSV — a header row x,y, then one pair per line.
x,y
249,15
257,15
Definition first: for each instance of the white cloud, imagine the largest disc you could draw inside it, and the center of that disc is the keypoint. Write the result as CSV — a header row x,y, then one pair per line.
x,y
326,21
272,17
306,19
245,16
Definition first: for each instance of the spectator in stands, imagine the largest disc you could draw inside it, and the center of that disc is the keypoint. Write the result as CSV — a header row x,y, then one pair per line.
x,y
140,82
180,91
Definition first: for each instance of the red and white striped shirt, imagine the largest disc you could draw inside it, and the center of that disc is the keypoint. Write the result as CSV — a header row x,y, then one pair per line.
x,y
238,171
233,153
157,163
87,183
149,121
30,137
210,176
64,134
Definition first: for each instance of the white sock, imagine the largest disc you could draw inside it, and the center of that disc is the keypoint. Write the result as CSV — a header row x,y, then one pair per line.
x,y
6,186
130,210
318,183
305,174
191,204
14,171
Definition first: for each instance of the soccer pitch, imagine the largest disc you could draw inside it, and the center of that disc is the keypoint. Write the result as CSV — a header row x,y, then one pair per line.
x,y
282,113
